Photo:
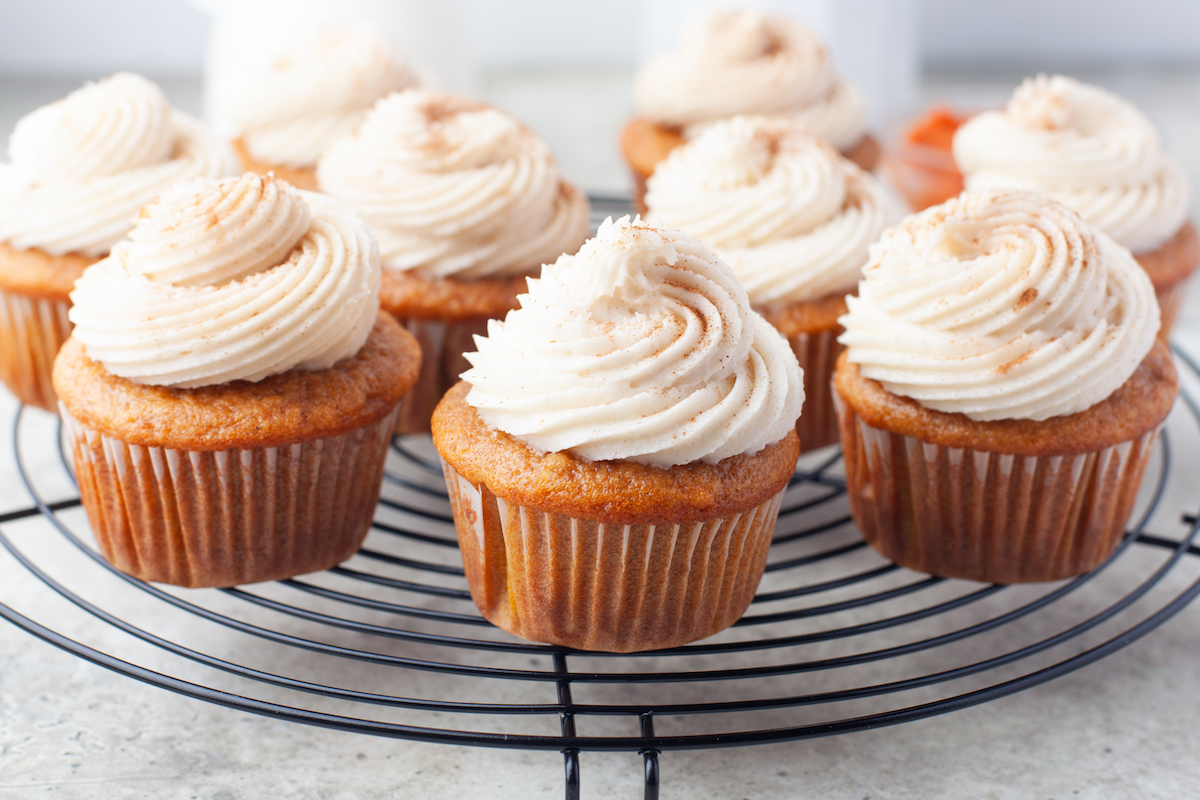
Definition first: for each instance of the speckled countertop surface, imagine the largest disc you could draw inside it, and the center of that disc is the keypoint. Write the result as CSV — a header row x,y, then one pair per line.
x,y
1124,727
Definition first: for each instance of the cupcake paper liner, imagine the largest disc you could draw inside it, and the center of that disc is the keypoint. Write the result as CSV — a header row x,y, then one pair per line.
x,y
602,586
442,348
817,354
994,517
32,329
639,190
1170,299
220,518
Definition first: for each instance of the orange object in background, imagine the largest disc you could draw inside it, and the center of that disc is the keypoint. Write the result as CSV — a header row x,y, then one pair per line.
x,y
921,166
935,129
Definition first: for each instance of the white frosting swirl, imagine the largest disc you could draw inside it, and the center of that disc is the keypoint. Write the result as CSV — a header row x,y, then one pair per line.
x,y
1085,147
231,280
839,117
83,166
786,211
641,347
314,93
452,186
744,62
1000,304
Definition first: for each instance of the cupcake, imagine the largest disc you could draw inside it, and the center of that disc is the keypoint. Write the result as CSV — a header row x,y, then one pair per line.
x,y
741,62
465,202
230,387
80,170
1096,153
617,452
309,96
1001,390
794,219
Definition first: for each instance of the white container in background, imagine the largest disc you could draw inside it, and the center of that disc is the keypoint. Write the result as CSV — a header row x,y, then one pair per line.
x,y
247,34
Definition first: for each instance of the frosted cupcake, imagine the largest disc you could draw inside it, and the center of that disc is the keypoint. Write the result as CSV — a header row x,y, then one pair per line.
x,y
617,453
1096,153
231,386
794,219
80,170
313,93
1001,390
741,62
465,202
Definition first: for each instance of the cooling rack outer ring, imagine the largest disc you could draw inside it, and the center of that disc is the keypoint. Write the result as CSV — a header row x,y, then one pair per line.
x,y
578,743
562,677
570,741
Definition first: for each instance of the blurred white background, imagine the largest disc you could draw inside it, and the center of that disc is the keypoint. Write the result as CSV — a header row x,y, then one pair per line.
x,y
567,67
169,36
1120,730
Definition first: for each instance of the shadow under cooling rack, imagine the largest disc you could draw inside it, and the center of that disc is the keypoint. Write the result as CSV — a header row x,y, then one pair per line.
x,y
389,644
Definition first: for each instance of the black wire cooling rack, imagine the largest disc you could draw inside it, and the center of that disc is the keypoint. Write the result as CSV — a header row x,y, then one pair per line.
x,y
389,644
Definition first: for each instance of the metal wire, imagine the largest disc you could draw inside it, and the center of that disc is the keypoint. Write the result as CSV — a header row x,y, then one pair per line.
x,y
834,627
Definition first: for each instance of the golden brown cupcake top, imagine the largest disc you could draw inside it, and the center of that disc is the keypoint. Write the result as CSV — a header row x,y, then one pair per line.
x,y
410,296
1000,304
36,273
294,406
300,177
622,492
812,317
1175,260
1137,407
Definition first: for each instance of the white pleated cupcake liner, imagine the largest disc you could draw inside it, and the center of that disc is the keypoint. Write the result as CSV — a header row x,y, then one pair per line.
x,y
32,330
442,348
994,517
817,354
227,517
610,587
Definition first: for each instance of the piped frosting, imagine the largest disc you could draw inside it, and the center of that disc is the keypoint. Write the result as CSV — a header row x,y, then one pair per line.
x,y
230,280
1085,147
786,211
643,347
454,187
83,166
745,62
314,93
1000,304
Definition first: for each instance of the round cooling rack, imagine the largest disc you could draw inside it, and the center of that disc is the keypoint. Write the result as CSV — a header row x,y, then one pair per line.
x,y
389,643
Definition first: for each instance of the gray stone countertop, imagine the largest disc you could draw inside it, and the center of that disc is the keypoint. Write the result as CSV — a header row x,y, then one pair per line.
x,y
1123,727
